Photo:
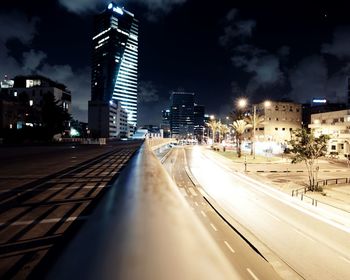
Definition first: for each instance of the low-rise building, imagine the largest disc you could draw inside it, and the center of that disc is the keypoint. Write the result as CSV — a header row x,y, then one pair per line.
x,y
279,120
337,126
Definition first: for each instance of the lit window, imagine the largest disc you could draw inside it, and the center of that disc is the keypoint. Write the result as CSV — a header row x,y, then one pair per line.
x,y
31,102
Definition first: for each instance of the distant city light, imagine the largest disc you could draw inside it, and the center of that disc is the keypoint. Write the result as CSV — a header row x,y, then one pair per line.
x,y
319,100
73,132
110,6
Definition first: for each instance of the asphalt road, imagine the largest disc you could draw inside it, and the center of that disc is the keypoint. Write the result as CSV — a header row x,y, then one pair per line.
x,y
305,237
36,217
248,263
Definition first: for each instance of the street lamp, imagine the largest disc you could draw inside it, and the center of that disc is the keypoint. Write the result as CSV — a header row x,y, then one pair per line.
x,y
242,103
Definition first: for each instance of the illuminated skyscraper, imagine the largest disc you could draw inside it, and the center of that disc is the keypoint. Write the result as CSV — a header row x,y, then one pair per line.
x,y
115,59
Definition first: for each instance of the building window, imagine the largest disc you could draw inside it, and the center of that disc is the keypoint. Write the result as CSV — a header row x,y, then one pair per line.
x,y
276,128
298,109
341,120
290,109
333,147
283,129
276,108
276,119
323,121
290,129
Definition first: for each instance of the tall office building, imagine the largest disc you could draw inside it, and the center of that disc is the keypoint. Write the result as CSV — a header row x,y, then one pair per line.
x,y
198,118
182,114
115,61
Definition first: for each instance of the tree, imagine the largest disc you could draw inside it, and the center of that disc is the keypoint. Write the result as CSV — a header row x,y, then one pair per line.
x,y
239,126
223,130
54,117
254,123
307,148
214,125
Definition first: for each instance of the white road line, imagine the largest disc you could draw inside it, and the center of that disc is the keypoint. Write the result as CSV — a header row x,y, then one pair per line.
x,y
214,228
193,192
203,214
45,221
303,234
184,193
196,203
272,216
344,259
229,247
252,274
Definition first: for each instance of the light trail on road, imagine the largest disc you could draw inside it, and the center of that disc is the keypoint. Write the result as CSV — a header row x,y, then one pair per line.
x,y
313,247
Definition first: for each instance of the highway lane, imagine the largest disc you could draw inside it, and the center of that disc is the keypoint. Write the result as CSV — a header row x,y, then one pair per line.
x,y
243,258
315,247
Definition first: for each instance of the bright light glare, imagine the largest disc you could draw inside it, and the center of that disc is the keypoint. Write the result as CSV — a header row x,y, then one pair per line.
x,y
74,133
242,103
267,103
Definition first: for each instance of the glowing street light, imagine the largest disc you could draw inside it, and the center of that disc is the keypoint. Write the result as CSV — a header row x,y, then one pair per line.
x,y
242,102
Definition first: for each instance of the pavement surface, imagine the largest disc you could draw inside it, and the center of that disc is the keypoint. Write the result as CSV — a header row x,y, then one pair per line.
x,y
302,235
46,193
241,255
289,177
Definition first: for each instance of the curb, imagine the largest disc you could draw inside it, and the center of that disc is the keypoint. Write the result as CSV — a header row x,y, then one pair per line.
x,y
278,264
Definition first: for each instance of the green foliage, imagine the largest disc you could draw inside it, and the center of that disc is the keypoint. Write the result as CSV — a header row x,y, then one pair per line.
x,y
239,127
307,148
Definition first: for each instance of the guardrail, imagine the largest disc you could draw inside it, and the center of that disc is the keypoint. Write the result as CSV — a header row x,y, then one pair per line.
x,y
142,229
334,181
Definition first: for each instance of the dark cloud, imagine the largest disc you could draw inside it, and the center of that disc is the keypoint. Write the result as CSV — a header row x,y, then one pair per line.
x,y
310,78
340,45
32,60
263,66
154,8
82,6
15,25
158,8
236,28
147,92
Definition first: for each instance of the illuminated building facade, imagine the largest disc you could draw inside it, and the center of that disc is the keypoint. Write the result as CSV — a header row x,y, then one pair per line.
x,y
115,60
336,125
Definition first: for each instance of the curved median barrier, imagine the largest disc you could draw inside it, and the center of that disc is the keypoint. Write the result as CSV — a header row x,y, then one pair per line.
x,y
142,229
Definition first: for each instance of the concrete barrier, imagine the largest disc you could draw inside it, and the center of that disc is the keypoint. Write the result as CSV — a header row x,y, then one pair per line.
x,y
143,229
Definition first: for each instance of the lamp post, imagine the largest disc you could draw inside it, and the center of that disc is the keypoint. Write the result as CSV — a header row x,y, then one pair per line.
x,y
242,103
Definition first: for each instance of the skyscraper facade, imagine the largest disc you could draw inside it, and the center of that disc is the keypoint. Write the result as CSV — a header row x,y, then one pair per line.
x,y
115,59
182,114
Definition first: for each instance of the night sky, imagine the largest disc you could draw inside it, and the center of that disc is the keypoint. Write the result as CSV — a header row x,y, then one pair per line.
x,y
217,49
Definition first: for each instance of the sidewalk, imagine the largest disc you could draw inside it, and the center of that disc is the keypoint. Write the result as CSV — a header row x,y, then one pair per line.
x,y
287,177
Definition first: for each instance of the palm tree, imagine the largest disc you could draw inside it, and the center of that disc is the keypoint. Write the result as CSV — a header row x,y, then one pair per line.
x,y
254,123
239,126
214,125
223,130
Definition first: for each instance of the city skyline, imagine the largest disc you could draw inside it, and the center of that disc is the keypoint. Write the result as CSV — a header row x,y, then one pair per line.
x,y
225,51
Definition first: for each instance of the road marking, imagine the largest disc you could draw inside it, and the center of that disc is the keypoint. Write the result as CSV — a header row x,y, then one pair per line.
x,y
193,192
228,246
344,259
204,215
252,274
196,203
272,216
45,221
214,228
184,193
303,234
